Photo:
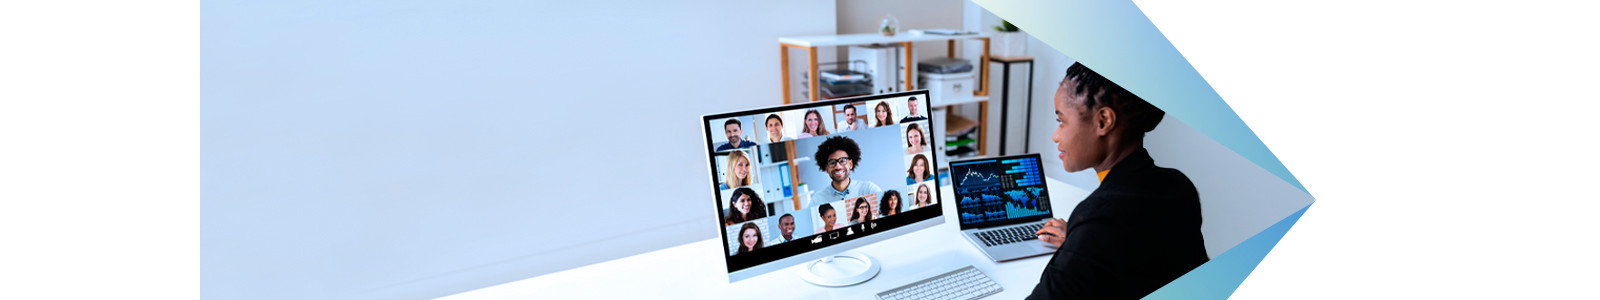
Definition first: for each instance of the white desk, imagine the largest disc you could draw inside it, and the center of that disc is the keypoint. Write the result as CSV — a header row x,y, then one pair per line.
x,y
697,271
872,38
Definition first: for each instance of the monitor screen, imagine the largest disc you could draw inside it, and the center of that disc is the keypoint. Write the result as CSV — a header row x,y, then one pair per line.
x,y
999,191
794,179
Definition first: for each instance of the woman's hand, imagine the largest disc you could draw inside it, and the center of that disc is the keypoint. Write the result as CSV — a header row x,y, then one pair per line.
x,y
1054,232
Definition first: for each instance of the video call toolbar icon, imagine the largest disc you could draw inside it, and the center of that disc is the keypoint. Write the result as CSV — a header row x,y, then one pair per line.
x,y
833,235
816,240
849,231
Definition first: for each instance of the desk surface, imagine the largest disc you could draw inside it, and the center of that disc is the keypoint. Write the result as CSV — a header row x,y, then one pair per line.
x,y
696,270
871,38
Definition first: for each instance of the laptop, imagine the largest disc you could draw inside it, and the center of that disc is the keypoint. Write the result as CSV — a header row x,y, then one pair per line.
x,y
1002,202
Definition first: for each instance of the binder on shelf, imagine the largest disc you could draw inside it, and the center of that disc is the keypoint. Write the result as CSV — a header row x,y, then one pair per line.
x,y
788,189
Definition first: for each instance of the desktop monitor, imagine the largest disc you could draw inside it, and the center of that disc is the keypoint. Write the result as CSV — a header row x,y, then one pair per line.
x,y
803,183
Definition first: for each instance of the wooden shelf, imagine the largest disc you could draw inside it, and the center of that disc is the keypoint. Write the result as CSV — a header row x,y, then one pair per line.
x,y
957,124
974,99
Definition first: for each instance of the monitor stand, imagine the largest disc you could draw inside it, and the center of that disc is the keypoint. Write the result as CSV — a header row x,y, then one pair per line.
x,y
842,269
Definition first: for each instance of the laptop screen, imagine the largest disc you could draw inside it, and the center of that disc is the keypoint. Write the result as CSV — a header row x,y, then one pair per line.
x,y
1000,190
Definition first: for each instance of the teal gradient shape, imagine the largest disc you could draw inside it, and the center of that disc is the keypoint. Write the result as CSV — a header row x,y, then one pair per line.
x,y
1117,40
1218,278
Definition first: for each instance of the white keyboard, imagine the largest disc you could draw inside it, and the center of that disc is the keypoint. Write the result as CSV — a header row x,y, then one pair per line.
x,y
964,283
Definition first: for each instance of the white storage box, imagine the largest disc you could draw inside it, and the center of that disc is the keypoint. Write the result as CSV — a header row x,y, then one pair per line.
x,y
883,63
946,89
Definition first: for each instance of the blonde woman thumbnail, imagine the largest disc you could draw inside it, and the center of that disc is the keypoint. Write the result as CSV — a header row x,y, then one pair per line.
x,y
738,171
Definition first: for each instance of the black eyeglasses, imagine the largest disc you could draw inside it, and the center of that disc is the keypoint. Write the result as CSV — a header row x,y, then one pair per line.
x,y
838,161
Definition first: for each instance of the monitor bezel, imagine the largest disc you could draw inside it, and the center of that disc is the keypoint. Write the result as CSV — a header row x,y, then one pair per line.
x,y
936,218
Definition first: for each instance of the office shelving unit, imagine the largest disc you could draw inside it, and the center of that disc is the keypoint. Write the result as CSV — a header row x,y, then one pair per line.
x,y
906,40
809,44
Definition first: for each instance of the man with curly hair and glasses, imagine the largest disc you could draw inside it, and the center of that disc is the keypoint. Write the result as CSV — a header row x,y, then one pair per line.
x,y
838,156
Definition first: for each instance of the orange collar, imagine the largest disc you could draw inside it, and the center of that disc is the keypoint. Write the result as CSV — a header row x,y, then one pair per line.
x,y
1102,174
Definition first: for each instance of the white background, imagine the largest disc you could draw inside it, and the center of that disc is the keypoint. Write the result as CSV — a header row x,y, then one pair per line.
x,y
1447,144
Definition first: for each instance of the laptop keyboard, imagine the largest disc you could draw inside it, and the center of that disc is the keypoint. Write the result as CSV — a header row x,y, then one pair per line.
x,y
1010,235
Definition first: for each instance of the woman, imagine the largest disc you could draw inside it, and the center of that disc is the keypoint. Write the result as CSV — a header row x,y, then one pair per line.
x,y
746,206
882,115
813,125
918,171
889,204
828,216
749,238
924,196
775,129
738,171
916,142
862,211
1140,228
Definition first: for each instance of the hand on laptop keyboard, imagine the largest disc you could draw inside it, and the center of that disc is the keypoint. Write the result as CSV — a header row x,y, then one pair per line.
x,y
1009,235
1056,227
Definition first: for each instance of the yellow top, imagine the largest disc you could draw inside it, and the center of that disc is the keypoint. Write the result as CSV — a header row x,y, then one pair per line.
x,y
1102,174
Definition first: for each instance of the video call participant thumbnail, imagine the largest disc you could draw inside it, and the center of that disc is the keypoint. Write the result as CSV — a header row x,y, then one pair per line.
x,y
775,129
889,204
828,216
918,171
735,132
916,141
749,238
839,156
915,114
882,114
1140,228
738,171
860,211
746,207
785,228
813,125
923,197
850,123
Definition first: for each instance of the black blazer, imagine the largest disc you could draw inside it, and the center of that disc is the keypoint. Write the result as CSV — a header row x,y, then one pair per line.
x,y
1135,233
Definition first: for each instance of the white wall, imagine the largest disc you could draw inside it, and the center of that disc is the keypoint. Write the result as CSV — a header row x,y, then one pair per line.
x,y
411,149
865,16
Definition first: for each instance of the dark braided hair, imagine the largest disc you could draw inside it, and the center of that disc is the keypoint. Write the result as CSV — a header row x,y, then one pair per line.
x,y
1139,116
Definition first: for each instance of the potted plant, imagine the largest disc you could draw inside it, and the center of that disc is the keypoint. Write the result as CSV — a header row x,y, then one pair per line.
x,y
889,25
1010,40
